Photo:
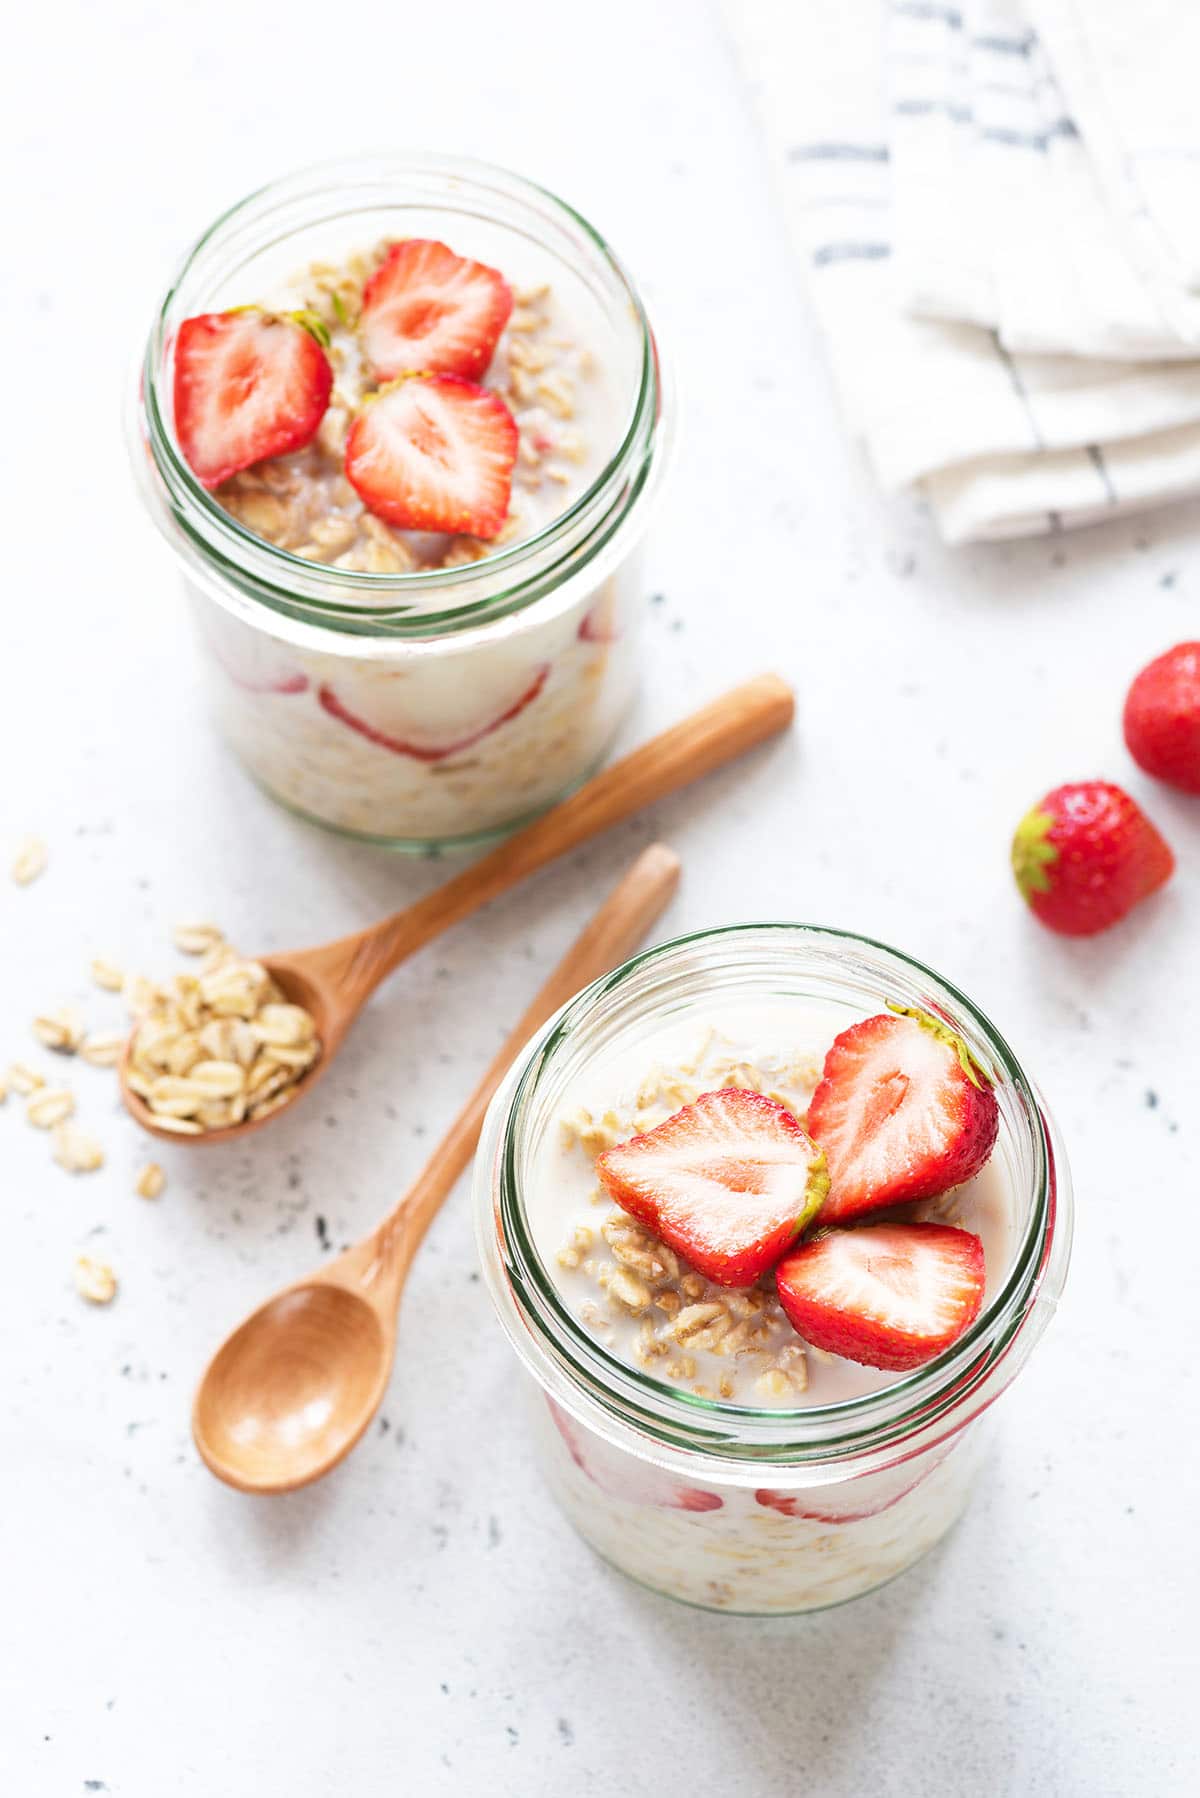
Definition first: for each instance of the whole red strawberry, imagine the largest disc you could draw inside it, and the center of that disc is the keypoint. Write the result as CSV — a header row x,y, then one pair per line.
x,y
1086,855
1162,718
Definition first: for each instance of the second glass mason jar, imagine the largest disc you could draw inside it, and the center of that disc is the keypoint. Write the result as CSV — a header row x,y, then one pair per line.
x,y
728,1505
439,706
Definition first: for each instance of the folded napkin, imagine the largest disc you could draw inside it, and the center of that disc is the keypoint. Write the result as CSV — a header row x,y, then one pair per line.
x,y
1010,325
1128,72
1002,213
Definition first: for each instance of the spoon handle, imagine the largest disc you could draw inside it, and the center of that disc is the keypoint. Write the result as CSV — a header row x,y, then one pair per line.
x,y
731,725
615,931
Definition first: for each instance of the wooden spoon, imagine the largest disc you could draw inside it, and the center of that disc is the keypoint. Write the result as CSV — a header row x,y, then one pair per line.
x,y
290,1392
335,980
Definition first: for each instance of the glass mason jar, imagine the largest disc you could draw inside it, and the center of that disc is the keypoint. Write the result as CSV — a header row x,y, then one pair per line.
x,y
517,667
727,1505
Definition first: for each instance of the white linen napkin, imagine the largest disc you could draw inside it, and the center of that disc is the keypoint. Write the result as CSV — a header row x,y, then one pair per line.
x,y
1128,72
1000,215
905,233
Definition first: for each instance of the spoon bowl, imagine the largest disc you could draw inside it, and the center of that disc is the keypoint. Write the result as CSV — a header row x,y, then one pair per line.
x,y
334,980
294,1387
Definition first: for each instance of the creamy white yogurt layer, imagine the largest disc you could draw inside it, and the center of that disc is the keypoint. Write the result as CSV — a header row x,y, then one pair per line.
x,y
774,1549
273,702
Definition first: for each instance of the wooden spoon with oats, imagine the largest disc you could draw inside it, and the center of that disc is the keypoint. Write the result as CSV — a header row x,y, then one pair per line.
x,y
288,1015
290,1392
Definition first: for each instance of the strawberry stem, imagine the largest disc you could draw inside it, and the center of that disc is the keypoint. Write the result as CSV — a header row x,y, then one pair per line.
x,y
817,1190
313,324
1033,853
970,1067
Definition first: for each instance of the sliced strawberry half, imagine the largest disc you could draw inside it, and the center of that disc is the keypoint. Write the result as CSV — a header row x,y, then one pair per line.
x,y
728,1183
599,624
248,385
624,1476
853,1500
434,454
426,309
885,1295
858,1509
257,669
433,744
789,1504
903,1112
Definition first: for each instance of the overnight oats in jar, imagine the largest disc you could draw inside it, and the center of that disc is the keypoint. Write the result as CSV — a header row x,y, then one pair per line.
x,y
771,1215
402,420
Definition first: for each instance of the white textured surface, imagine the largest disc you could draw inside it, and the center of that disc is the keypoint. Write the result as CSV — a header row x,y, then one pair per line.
x,y
423,1622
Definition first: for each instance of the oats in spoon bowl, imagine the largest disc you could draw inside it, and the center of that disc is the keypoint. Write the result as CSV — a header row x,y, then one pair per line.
x,y
218,1047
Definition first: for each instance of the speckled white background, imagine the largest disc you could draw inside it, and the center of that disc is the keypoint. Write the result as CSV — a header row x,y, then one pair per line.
x,y
423,1623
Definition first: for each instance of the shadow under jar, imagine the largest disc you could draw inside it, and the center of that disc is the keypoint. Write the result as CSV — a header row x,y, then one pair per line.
x,y
737,1506
438,705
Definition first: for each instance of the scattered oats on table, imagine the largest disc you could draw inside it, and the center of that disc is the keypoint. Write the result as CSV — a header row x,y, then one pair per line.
x,y
196,938
29,861
95,1281
107,974
75,1150
103,1048
48,1107
60,1030
150,1181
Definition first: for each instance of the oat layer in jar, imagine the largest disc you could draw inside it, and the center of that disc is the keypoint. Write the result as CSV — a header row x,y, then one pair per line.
x,y
403,422
691,1435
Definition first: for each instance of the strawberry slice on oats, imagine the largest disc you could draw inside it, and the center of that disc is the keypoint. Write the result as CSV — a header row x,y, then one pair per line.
x,y
248,385
434,453
728,1183
426,310
903,1112
884,1295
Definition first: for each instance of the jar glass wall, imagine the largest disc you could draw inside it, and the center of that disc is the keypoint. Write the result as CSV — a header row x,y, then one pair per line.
x,y
440,704
730,1505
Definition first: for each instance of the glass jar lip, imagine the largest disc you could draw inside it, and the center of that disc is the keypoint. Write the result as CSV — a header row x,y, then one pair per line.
x,y
220,537
912,1404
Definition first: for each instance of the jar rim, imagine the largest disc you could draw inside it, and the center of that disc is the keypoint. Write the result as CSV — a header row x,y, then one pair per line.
x,y
349,599
915,1405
